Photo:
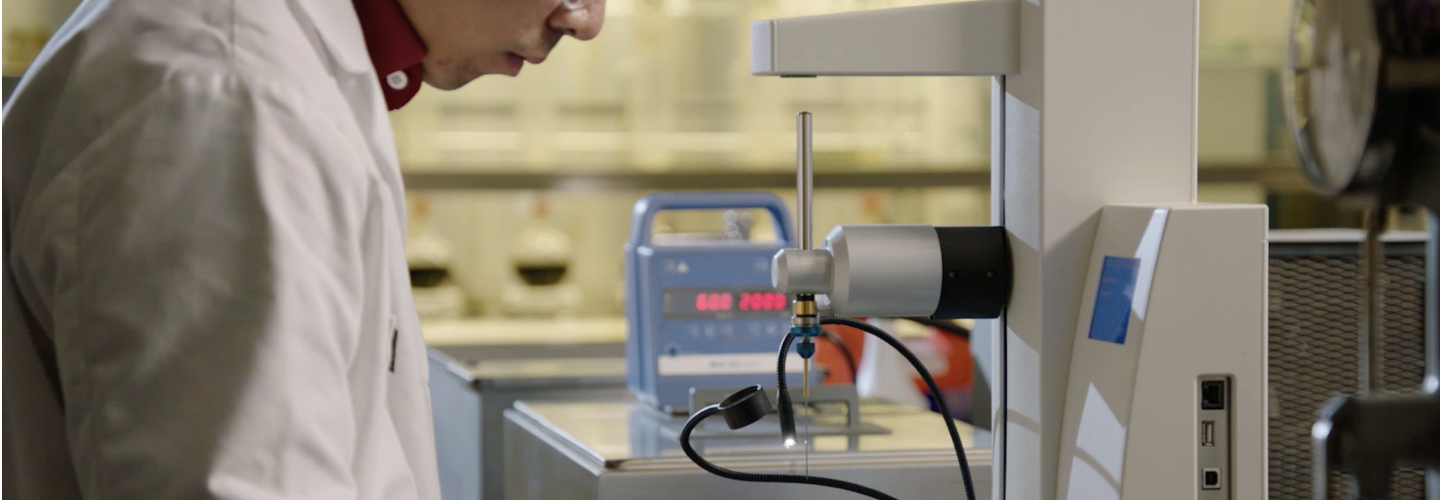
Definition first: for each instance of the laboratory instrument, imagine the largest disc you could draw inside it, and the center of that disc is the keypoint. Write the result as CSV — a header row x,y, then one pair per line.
x,y
1116,269
1363,106
1158,370
1123,405
885,270
1084,148
970,269
902,270
701,313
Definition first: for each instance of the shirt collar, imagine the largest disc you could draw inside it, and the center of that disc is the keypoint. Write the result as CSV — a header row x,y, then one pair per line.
x,y
395,49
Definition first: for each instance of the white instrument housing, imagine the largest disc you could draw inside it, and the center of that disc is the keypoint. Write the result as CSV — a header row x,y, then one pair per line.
x,y
977,37
1189,305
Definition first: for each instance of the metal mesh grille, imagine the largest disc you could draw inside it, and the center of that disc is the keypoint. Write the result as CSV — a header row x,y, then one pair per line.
x,y
1314,314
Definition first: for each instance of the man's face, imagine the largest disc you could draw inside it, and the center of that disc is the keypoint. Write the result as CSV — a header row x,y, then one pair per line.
x,y
468,38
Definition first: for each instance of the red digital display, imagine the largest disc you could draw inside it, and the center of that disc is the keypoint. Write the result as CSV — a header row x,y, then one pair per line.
x,y
708,302
763,301
693,304
725,301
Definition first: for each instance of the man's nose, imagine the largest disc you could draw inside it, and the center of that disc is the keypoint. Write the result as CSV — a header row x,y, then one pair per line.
x,y
581,23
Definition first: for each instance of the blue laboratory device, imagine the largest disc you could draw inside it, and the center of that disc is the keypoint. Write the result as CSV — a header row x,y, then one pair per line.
x,y
702,314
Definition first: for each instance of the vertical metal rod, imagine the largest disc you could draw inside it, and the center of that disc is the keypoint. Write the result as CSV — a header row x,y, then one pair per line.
x,y
1372,328
804,208
804,179
1432,333
1432,313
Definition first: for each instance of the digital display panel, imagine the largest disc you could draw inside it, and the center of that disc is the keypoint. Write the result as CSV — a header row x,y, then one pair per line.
x,y
725,304
1114,298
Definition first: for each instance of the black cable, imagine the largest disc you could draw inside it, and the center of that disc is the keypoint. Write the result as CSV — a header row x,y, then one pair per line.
x,y
840,343
945,326
786,414
783,408
711,410
924,374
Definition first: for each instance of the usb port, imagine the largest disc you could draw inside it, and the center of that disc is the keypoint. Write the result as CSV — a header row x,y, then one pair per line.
x,y
1210,478
1207,433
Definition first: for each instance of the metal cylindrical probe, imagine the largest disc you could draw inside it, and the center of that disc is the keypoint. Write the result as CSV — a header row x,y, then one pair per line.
x,y
805,380
805,317
804,179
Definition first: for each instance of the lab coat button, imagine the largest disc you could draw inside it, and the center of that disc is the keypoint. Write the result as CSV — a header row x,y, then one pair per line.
x,y
397,80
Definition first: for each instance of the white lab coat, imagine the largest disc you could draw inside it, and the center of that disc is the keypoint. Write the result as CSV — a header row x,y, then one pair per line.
x,y
204,214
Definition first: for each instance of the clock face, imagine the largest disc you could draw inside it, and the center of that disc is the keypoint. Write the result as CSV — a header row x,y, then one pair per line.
x,y
1331,84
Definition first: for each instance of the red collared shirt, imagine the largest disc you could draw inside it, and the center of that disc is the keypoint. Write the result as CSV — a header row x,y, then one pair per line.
x,y
395,49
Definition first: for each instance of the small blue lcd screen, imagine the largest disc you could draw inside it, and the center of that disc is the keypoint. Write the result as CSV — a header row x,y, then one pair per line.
x,y
1113,299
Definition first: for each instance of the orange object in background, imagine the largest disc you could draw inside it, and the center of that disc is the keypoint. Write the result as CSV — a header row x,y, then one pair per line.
x,y
960,372
955,377
831,357
957,374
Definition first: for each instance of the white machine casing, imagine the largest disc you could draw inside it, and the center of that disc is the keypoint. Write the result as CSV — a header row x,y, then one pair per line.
x,y
1131,427
901,270
977,37
885,270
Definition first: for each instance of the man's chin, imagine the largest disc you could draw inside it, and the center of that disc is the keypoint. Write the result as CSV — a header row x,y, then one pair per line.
x,y
446,83
448,80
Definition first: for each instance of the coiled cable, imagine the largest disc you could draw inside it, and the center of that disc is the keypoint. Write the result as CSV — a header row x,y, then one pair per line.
x,y
787,422
711,410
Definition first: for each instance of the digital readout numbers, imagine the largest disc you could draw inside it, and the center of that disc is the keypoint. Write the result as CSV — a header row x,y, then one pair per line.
x,y
758,301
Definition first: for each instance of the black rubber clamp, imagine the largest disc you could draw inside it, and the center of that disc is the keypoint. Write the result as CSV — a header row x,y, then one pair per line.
x,y
745,407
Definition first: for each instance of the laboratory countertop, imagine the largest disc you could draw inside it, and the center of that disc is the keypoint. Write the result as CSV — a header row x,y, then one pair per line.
x,y
548,373
630,435
564,331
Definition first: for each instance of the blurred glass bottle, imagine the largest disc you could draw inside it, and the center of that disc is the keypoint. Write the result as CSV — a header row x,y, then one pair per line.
x,y
430,256
541,257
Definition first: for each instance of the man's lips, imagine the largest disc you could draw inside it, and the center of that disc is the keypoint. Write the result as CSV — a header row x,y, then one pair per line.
x,y
516,63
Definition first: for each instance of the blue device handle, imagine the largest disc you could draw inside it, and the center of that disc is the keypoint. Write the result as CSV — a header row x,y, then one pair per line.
x,y
643,219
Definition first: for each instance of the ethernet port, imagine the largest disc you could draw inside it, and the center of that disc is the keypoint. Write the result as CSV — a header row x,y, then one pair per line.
x,y
1212,395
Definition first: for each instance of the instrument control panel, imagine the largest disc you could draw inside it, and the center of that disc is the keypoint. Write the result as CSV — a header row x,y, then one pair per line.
x,y
702,314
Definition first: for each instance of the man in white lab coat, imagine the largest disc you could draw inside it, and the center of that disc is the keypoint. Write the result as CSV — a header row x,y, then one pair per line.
x,y
205,292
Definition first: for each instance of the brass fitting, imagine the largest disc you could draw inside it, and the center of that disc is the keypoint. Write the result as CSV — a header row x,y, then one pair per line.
x,y
805,308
